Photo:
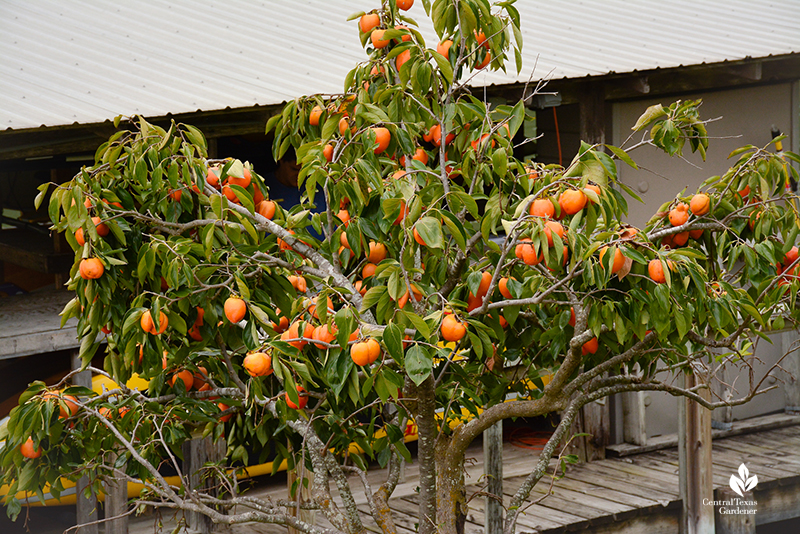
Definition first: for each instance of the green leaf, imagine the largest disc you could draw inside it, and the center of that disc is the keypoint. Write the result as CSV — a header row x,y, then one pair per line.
x,y
444,65
650,115
430,230
500,161
621,154
419,323
372,296
419,364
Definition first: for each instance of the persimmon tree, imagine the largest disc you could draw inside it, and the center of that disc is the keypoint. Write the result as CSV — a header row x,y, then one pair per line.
x,y
428,277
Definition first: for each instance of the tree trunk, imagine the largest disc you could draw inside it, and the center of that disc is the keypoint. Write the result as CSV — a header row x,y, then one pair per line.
x,y
427,427
452,512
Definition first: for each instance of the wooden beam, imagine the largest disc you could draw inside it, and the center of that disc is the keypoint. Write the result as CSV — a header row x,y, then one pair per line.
x,y
493,471
86,507
196,452
592,104
790,342
634,428
735,523
695,460
596,423
116,505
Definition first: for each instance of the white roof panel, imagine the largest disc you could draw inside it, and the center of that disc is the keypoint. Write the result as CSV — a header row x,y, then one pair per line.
x,y
86,61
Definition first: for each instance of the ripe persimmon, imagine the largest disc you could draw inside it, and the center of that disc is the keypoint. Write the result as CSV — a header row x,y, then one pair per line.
x,y
486,60
405,5
590,347
619,259
212,177
679,214
551,227
542,207
149,326
377,252
312,309
365,352
67,404
235,309
401,302
368,270
444,48
418,238
314,116
596,189
223,407
483,288
327,152
572,201
245,180
401,59
452,329
377,39
184,376
266,208
502,285
368,22
436,135
324,334
91,268
656,271
419,155
28,451
79,237
402,213
101,227
258,364
700,204
680,239
282,324
344,216
301,401
293,332
527,253
344,124
298,282
382,137
791,256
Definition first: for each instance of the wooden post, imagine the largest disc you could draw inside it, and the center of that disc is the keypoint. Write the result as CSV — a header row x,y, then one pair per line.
x,y
792,366
596,423
738,523
116,504
722,418
493,471
694,452
299,492
196,452
634,423
86,508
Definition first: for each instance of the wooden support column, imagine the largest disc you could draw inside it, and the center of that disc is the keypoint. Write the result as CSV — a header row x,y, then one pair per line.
x,y
722,418
116,505
634,423
597,423
196,452
695,461
86,508
592,106
739,523
791,345
299,492
493,471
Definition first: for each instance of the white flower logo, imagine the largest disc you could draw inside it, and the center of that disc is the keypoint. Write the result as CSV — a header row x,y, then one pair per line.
x,y
744,482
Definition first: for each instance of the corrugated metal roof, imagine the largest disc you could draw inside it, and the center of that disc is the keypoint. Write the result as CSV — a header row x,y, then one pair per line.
x,y
86,61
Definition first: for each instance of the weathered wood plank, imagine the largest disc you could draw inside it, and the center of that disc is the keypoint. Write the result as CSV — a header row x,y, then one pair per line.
x,y
653,489
591,504
748,426
611,489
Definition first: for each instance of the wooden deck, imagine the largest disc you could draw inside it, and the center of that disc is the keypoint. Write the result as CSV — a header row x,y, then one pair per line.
x,y
633,494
